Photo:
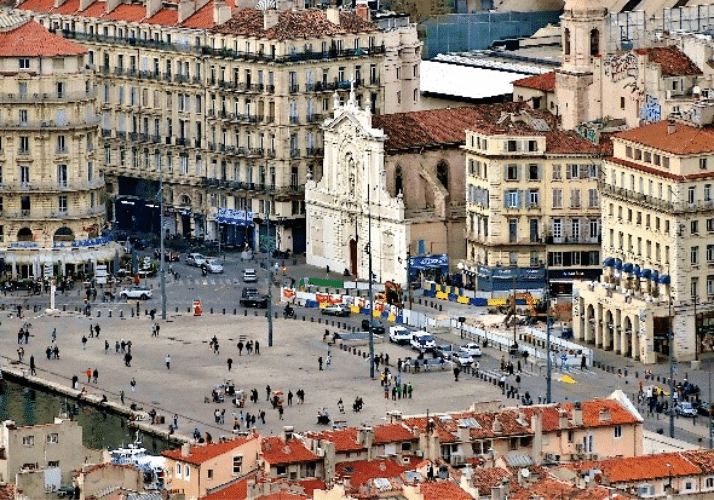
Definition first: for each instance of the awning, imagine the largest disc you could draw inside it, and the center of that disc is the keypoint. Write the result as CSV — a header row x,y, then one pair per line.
x,y
628,267
636,270
645,273
609,262
618,264
655,276
664,279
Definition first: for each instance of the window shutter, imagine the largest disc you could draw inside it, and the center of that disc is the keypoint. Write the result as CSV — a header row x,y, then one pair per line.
x,y
567,171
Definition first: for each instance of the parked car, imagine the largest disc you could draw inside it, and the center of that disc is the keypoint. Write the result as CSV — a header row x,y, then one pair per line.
x,y
136,292
463,358
377,327
249,276
399,335
704,408
685,409
251,298
213,266
445,351
337,310
472,349
195,259
422,342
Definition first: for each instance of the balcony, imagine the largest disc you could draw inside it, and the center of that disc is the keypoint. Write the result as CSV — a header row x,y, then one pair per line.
x,y
573,240
106,132
23,151
294,153
156,139
313,118
294,88
313,151
294,120
181,141
658,204
134,136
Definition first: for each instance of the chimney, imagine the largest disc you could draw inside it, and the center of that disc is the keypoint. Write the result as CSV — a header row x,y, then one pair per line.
x,y
271,17
365,437
563,420
288,432
362,10
537,446
578,414
496,427
221,12
152,7
333,14
186,8
185,449
671,127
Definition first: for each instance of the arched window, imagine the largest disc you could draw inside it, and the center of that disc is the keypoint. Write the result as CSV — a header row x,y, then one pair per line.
x,y
64,234
566,41
185,200
398,181
442,173
24,234
594,42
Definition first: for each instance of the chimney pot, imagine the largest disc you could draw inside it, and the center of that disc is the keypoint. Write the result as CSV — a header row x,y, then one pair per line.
x,y
671,127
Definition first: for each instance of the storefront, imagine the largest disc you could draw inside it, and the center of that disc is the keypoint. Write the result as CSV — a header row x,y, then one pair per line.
x,y
234,227
428,267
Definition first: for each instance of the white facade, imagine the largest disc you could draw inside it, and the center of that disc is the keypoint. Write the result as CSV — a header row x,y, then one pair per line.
x,y
353,188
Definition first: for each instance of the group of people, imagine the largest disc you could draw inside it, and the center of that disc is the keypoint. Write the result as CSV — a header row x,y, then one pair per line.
x,y
250,346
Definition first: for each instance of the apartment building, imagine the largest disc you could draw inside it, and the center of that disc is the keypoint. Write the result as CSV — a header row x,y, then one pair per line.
x,y
658,218
225,103
531,199
51,186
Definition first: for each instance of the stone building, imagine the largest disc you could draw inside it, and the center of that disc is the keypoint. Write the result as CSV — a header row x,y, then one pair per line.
x,y
405,170
225,101
532,199
51,184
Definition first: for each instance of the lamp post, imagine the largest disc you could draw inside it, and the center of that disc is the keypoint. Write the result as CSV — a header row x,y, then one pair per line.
x,y
371,291
162,270
670,336
548,380
270,268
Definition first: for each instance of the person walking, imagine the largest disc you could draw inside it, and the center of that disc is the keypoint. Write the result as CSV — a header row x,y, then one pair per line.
x,y
230,363
256,346
319,362
290,398
32,365
132,383
95,375
240,348
54,335
328,361
168,361
84,342
106,346
97,330
158,329
89,375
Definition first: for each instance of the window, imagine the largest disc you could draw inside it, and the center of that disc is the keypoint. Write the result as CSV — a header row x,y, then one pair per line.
x,y
694,287
593,201
691,195
209,473
24,174
573,171
710,285
62,204
512,173
694,255
237,464
575,198
24,63
556,172
511,146
533,198
53,463
533,172
187,472
513,230
62,175
557,198
557,229
23,117
28,441
512,198
702,163
24,144
53,437
618,431
178,470
694,226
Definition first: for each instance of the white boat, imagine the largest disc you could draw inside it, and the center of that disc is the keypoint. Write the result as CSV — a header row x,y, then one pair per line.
x,y
151,465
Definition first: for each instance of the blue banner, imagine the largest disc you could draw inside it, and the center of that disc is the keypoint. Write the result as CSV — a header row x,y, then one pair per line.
x,y
429,262
234,217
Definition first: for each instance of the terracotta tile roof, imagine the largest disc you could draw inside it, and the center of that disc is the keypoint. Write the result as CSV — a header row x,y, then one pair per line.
x,y
443,490
294,24
201,19
544,82
360,472
704,459
444,430
282,495
128,13
67,8
236,491
277,451
557,490
164,17
642,468
393,433
7,491
32,40
199,454
310,485
436,127
486,478
685,140
673,61
37,5
345,440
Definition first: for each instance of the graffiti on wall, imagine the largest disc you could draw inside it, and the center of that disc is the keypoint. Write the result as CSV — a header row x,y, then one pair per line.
x,y
621,67
651,112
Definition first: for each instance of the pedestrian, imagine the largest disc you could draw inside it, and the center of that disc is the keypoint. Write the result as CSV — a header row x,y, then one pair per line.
x,y
117,346
168,361
95,375
132,383
32,365
84,342
249,347
386,360
55,352
27,336
409,389
153,329
230,363
175,421
583,363
20,353
280,412
240,348
49,352
137,309
328,361
474,369
236,424
158,329
457,371
217,415
91,330
54,335
256,346
399,365
121,396
19,310
75,381
319,362
376,363
267,393
127,359
262,416
290,398
97,330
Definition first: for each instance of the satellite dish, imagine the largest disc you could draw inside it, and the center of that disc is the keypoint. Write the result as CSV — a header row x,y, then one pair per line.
x,y
525,473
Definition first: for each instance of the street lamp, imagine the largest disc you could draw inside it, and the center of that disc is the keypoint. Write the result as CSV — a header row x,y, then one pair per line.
x,y
548,379
270,268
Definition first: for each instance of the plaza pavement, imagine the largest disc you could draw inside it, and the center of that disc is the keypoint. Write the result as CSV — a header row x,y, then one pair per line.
x,y
291,364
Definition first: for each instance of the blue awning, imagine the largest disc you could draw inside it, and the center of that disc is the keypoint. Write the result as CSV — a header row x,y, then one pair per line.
x,y
627,267
636,270
609,262
645,273
664,279
618,264
655,276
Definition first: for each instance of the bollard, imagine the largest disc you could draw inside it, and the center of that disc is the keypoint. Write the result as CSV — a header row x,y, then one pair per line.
x,y
303,318
319,320
312,320
224,311
235,311
441,307
121,314
188,309
625,372
177,310
110,313
245,312
99,314
637,374
64,307
211,310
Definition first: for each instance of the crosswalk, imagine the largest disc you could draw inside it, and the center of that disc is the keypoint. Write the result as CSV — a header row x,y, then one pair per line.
x,y
194,282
